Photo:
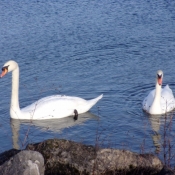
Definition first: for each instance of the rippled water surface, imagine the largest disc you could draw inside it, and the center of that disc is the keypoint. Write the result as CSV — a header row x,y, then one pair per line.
x,y
86,48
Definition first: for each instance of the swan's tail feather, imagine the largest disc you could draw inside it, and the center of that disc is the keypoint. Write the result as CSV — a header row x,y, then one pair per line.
x,y
94,101
88,104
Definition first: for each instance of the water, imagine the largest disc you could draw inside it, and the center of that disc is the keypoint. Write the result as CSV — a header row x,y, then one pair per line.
x,y
85,48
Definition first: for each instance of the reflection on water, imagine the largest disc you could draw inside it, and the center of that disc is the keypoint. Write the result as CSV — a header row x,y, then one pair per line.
x,y
161,126
155,121
54,125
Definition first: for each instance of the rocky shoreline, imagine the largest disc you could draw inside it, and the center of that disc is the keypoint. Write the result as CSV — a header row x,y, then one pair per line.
x,y
64,157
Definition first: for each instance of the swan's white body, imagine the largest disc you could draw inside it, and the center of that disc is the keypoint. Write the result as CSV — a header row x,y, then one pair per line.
x,y
51,107
159,101
165,104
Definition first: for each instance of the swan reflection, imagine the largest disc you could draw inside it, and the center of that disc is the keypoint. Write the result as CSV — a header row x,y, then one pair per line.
x,y
159,133
54,125
155,121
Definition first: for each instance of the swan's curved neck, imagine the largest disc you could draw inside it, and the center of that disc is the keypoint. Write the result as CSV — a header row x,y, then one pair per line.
x,y
156,105
15,89
157,93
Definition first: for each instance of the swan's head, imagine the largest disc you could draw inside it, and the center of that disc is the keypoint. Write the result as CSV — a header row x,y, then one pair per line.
x,y
159,77
8,67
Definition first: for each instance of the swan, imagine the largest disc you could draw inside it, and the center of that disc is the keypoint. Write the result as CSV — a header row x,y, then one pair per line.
x,y
51,107
159,101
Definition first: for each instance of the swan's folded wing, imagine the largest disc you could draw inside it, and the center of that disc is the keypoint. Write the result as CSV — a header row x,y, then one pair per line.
x,y
167,99
56,106
147,102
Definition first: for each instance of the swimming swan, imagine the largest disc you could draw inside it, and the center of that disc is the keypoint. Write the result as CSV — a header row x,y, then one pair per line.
x,y
55,106
159,101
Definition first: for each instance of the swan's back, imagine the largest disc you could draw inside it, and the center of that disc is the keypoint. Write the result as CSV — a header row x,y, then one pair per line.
x,y
58,106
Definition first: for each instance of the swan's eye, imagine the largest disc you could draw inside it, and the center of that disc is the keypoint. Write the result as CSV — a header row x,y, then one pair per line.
x,y
159,76
5,68
4,71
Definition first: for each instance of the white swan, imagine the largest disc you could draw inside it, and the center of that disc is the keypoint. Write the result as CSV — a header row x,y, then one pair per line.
x,y
55,106
159,101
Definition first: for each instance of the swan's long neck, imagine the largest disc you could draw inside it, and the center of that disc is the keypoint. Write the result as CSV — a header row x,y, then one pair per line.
x,y
156,105
157,97
15,90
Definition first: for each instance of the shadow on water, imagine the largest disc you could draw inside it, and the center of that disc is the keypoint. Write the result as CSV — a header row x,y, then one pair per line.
x,y
54,125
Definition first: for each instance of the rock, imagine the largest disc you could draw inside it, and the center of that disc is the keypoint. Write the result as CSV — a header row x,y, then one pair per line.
x,y
24,163
67,157
166,171
123,160
7,155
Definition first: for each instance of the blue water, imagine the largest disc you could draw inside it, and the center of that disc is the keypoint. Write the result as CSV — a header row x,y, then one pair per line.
x,y
85,48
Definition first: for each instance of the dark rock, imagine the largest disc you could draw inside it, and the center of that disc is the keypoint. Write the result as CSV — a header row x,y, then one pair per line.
x,y
24,163
7,155
67,157
166,171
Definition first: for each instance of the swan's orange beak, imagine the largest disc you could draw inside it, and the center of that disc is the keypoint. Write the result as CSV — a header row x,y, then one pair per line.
x,y
4,71
159,80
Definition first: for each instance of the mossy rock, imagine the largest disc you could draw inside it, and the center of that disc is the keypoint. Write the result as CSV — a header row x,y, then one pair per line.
x,y
68,157
63,156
